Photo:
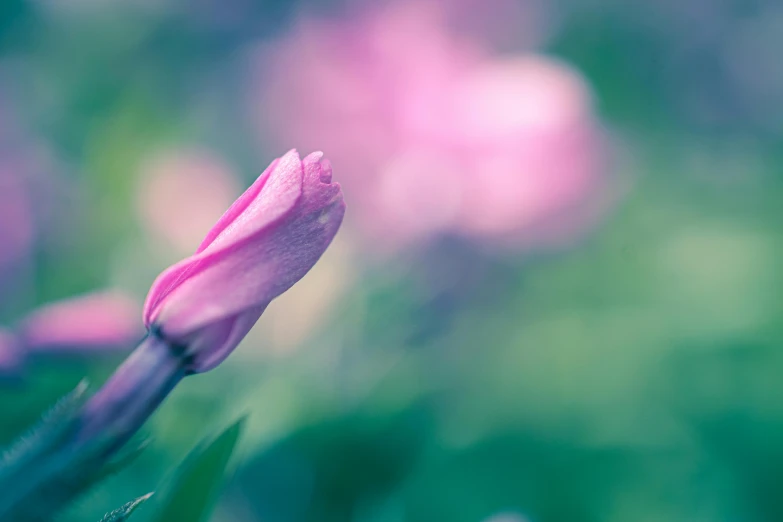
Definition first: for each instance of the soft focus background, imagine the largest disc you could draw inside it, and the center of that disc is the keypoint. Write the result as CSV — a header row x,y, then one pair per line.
x,y
557,292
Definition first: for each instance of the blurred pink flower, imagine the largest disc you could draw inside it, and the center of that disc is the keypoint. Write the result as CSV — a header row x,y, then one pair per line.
x,y
16,220
268,240
508,24
30,197
10,353
101,320
435,134
524,127
182,193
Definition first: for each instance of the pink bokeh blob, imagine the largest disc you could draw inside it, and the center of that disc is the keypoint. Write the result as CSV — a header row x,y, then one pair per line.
x,y
432,131
10,353
16,218
182,193
101,320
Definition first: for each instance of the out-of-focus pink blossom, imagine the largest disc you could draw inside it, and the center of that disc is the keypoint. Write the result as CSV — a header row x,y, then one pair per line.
x,y
524,127
507,24
360,88
182,193
10,353
16,220
418,193
268,240
436,135
101,320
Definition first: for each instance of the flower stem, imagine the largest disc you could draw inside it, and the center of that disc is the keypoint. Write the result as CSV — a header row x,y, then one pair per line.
x,y
132,393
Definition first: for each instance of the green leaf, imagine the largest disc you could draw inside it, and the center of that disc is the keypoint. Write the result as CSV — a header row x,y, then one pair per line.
x,y
56,481
42,474
192,496
44,438
124,512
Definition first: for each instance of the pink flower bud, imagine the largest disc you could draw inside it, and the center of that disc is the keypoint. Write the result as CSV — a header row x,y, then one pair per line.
x,y
268,240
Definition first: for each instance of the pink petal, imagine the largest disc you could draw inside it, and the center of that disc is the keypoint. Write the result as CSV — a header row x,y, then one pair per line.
x,y
254,210
210,300
100,320
10,353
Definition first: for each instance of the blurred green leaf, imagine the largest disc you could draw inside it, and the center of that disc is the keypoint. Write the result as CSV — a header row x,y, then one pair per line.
x,y
43,473
124,512
193,493
43,438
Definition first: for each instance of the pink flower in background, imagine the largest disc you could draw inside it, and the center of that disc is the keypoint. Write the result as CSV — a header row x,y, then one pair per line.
x,y
100,320
182,193
19,165
10,353
31,196
524,127
360,89
435,134
268,240
508,24
16,219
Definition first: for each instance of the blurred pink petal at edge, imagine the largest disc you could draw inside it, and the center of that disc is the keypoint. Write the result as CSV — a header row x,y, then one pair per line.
x,y
16,220
102,320
10,353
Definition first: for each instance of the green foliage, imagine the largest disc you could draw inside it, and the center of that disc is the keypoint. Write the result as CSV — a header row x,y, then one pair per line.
x,y
42,473
341,466
194,491
41,439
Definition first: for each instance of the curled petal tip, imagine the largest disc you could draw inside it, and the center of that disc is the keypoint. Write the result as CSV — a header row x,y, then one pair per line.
x,y
313,157
293,153
322,166
326,172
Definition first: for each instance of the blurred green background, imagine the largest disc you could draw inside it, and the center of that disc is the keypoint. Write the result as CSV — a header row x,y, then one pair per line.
x,y
629,373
